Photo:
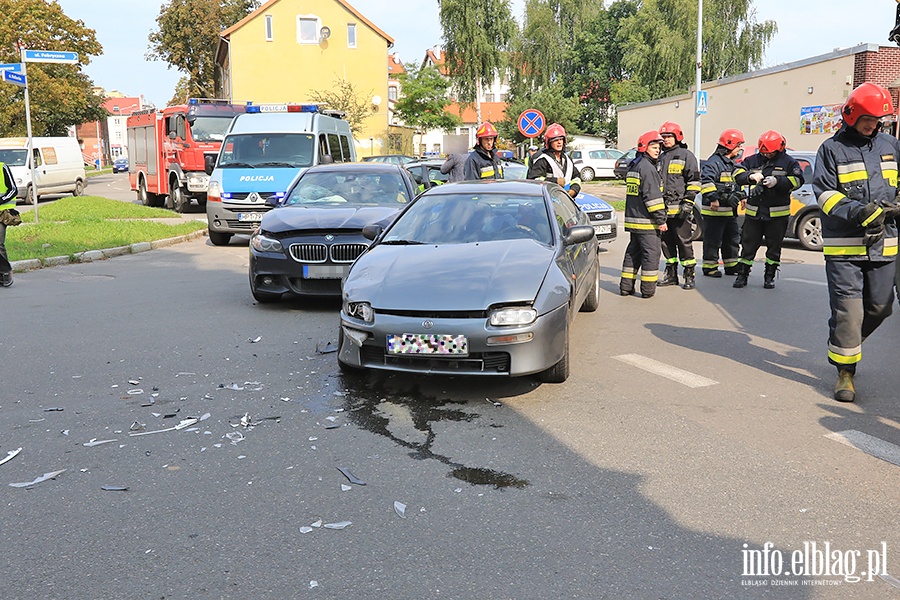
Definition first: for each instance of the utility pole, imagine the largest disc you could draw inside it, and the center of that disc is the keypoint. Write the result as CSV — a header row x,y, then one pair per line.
x,y
698,82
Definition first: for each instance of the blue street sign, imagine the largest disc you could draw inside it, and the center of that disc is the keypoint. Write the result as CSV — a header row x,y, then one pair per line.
x,y
14,78
702,102
531,123
49,56
17,67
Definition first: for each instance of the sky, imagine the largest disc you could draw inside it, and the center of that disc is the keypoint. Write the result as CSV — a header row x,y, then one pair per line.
x,y
805,29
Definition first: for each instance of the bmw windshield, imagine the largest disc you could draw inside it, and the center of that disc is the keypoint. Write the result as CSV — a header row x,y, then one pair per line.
x,y
343,188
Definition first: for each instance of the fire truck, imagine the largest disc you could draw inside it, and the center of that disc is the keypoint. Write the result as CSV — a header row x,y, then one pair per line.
x,y
168,150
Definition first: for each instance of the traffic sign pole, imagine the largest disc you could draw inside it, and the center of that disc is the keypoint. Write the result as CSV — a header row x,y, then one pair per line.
x,y
30,155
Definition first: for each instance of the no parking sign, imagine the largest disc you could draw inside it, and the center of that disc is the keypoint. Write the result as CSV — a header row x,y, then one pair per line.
x,y
531,123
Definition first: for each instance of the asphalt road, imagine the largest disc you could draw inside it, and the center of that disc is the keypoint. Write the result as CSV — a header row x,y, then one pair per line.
x,y
696,427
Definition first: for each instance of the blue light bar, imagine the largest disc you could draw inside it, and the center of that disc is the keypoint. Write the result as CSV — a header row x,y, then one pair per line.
x,y
252,109
193,101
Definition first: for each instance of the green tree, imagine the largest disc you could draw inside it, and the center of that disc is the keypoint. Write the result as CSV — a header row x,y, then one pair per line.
x,y
60,95
553,104
476,37
343,96
423,100
188,36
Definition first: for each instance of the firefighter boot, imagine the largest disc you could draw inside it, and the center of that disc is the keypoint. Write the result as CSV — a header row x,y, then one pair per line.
x,y
671,275
689,278
843,390
769,278
6,279
742,275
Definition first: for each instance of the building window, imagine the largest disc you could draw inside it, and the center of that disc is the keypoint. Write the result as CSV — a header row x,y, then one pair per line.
x,y
504,97
307,30
488,97
392,92
395,143
269,34
351,35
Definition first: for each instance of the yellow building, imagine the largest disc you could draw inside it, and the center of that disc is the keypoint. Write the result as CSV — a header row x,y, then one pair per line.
x,y
287,49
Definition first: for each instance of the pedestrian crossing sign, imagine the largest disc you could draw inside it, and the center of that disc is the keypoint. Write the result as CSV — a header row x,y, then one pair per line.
x,y
702,102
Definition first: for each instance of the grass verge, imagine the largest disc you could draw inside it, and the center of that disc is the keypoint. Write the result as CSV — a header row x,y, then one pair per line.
x,y
73,225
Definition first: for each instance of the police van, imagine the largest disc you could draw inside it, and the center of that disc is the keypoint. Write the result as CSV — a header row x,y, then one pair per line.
x,y
264,150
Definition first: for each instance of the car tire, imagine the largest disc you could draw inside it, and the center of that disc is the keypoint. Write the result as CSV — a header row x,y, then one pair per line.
x,y
587,174
809,231
559,372
592,301
180,200
79,188
29,195
218,238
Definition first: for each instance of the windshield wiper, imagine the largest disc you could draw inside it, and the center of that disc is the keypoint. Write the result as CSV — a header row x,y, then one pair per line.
x,y
403,243
238,165
275,164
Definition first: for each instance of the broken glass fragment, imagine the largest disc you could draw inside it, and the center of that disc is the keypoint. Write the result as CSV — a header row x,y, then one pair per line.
x,y
41,479
494,402
313,584
135,392
134,381
114,488
326,347
54,409
305,529
338,525
233,386
254,340
183,373
316,524
96,442
350,476
10,455
235,436
400,509
136,426
345,487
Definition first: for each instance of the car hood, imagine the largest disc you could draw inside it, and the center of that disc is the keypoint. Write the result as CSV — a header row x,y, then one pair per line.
x,y
459,277
589,202
289,218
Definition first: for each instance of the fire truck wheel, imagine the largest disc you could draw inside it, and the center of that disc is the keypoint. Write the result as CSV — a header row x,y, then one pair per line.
x,y
142,194
180,200
219,239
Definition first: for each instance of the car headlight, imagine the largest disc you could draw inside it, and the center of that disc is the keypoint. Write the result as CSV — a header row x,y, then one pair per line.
x,y
262,243
360,310
513,316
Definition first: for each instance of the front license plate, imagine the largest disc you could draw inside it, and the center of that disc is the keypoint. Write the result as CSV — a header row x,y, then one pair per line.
x,y
325,271
427,343
602,229
250,217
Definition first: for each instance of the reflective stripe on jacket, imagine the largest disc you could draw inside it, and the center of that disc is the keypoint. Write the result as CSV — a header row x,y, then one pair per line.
x,y
645,209
544,164
481,165
680,177
8,189
775,201
717,183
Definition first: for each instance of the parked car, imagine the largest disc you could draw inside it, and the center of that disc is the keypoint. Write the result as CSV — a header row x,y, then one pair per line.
x,y
601,214
427,173
595,164
394,159
120,165
306,243
621,167
480,278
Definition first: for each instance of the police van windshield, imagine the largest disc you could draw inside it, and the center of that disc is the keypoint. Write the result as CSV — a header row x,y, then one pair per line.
x,y
210,129
262,150
14,158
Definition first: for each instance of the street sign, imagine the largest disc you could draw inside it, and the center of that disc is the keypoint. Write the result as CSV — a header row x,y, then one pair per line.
x,y
531,123
14,78
702,102
49,56
17,67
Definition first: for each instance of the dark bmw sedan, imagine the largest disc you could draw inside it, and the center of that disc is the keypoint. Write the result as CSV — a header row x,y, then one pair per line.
x,y
306,244
479,278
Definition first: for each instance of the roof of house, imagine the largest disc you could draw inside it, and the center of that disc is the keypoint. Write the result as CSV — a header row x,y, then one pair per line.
x,y
265,6
395,65
123,105
490,111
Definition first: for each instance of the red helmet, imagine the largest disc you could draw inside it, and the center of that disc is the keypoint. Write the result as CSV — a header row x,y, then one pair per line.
x,y
648,138
731,138
554,132
771,141
486,131
868,100
673,128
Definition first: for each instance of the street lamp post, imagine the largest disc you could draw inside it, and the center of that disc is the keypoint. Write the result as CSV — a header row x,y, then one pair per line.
x,y
698,78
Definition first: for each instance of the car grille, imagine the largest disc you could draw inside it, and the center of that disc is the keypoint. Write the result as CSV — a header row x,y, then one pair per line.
x,y
443,314
315,287
477,362
346,253
309,253
243,195
235,224
601,216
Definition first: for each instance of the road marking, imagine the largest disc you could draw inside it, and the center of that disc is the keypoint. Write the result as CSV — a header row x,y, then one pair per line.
x,y
869,444
692,380
809,281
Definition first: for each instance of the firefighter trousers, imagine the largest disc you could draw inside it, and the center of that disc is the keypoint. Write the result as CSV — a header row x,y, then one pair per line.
x,y
861,297
720,233
677,242
755,231
642,254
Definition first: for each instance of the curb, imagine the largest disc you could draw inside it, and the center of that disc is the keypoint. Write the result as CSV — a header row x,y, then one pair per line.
x,y
19,266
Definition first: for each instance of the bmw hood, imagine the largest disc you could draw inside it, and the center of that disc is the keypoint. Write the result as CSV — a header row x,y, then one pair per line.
x,y
292,218
449,277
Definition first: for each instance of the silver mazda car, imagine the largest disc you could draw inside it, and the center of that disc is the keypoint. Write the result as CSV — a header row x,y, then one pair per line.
x,y
480,278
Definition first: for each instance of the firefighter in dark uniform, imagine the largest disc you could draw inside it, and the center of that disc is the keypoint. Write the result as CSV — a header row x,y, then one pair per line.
x,y
855,183
645,217
8,211
773,174
484,163
721,198
553,163
680,175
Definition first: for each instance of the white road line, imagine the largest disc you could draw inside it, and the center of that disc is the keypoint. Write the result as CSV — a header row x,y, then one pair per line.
x,y
681,376
809,281
869,444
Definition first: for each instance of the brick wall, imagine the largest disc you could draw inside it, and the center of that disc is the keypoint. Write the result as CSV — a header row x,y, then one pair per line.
x,y
881,67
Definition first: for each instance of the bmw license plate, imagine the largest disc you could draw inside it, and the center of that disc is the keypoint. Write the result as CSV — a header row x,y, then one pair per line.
x,y
602,229
325,271
427,343
250,217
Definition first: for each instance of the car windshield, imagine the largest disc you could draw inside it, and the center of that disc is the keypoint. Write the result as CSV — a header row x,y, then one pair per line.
x,y
267,150
457,218
14,158
347,188
513,170
210,129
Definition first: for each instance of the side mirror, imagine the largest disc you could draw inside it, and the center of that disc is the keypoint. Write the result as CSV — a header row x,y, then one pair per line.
x,y
272,201
370,232
172,135
326,159
578,234
209,163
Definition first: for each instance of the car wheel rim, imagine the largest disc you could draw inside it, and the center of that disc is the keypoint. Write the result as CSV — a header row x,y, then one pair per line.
x,y
812,232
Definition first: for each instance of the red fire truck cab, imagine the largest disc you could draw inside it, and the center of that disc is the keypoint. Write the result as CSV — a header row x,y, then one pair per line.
x,y
167,150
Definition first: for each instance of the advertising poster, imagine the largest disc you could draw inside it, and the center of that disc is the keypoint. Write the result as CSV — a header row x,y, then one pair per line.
x,y
820,119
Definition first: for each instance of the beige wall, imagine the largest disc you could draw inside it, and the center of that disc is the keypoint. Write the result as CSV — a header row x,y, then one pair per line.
x,y
753,103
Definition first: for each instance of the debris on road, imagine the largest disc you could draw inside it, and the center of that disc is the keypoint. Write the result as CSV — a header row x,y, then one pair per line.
x,y
255,340
54,409
114,488
305,529
338,525
350,476
400,509
41,479
326,347
345,487
11,455
494,402
95,442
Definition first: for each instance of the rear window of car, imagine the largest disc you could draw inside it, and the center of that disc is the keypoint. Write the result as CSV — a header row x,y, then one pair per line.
x,y
343,188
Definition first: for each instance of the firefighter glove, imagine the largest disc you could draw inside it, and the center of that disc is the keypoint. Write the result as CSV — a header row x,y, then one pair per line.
x,y
686,209
756,177
891,211
866,215
873,234
769,181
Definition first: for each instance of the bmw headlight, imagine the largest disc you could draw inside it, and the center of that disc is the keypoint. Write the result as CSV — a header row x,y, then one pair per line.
x,y
262,243
360,310
514,315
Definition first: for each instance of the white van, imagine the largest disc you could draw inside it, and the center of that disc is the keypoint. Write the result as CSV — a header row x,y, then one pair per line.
x,y
58,165
264,150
